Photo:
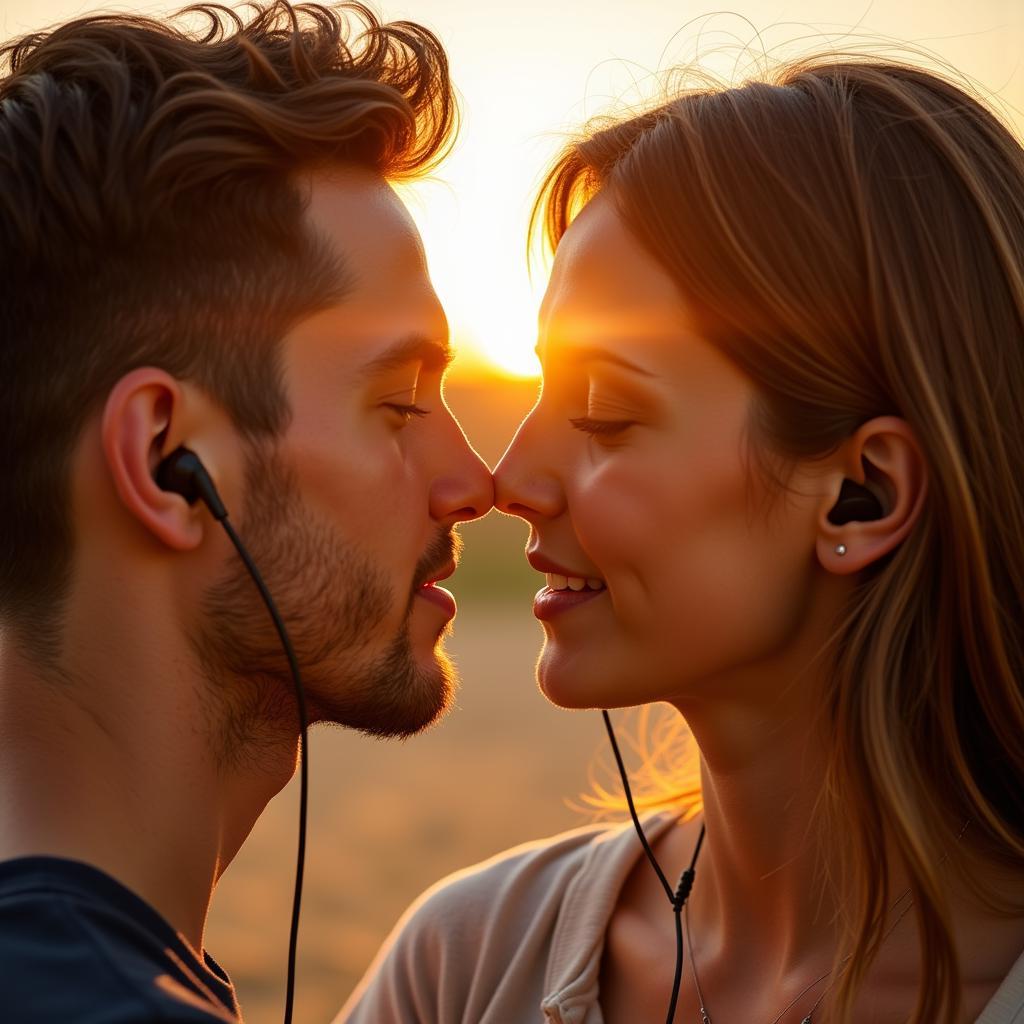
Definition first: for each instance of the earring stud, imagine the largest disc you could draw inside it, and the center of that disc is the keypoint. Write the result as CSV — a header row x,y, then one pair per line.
x,y
840,549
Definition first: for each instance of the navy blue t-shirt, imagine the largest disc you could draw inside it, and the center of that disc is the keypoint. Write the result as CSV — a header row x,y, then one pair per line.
x,y
77,946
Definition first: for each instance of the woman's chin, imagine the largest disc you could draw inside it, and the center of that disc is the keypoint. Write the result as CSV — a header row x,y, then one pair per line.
x,y
572,684
562,698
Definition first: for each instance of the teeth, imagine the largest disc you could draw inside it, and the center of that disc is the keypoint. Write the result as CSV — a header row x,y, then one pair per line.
x,y
556,581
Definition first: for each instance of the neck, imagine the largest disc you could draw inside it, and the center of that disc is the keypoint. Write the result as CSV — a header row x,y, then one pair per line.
x,y
761,868
136,788
759,894
764,926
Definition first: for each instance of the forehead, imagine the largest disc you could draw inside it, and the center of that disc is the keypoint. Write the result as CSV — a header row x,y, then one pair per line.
x,y
387,291
359,216
604,282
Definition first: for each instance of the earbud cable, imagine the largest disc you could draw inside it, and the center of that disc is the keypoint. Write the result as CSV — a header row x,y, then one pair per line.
x,y
681,894
300,696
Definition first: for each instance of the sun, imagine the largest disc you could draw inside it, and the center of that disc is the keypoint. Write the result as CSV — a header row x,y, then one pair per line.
x,y
500,335
479,271
513,362
491,305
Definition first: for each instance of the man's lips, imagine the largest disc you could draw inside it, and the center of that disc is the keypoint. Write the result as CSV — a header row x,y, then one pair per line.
x,y
438,595
436,575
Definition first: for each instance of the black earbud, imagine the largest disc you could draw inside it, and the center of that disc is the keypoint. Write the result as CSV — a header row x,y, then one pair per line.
x,y
855,502
183,472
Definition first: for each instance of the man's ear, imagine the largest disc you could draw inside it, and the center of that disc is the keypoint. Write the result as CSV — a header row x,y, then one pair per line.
x,y
139,427
884,457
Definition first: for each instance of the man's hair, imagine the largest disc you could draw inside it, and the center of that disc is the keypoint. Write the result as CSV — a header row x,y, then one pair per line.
x,y
150,215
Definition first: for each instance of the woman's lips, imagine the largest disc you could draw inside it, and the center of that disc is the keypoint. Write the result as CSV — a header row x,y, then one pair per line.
x,y
548,603
566,588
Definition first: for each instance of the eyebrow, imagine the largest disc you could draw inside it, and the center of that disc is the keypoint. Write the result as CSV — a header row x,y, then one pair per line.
x,y
434,355
593,354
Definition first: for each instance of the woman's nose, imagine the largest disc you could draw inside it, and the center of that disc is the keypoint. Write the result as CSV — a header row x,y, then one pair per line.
x,y
526,479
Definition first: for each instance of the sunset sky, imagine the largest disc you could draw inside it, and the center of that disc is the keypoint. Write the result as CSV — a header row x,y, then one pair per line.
x,y
529,72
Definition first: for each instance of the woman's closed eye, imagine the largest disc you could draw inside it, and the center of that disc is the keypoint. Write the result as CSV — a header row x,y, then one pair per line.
x,y
600,428
406,411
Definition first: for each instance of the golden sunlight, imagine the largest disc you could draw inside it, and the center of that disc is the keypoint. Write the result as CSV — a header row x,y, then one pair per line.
x,y
480,276
498,328
502,350
473,215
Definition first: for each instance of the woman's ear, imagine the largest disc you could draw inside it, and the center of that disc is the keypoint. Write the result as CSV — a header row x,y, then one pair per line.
x,y
139,428
885,460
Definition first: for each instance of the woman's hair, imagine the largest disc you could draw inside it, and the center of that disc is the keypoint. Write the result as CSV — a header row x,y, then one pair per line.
x,y
150,214
850,232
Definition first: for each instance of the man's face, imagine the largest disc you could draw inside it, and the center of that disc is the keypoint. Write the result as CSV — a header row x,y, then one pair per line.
x,y
349,515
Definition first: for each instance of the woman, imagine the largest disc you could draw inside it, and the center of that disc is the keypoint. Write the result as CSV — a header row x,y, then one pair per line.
x,y
776,479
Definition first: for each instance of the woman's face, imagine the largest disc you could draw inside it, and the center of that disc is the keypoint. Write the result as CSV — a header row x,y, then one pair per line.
x,y
634,475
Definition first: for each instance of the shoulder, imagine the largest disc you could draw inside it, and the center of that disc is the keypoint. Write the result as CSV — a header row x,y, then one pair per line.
x,y
486,926
65,955
515,883
1007,1004
517,891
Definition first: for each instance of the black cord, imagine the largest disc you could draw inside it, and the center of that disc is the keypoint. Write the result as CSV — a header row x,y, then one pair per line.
x,y
677,977
681,894
300,696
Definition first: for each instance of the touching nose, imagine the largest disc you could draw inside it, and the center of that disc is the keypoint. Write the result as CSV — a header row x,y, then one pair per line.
x,y
465,488
526,482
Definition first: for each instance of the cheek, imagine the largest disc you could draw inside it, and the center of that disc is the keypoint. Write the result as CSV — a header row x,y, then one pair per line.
x,y
353,479
699,578
651,517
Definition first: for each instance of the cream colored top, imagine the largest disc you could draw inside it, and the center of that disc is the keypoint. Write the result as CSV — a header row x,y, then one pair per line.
x,y
518,940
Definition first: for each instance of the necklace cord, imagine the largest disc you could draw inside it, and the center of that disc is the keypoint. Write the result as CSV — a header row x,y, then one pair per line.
x,y
681,894
677,977
632,810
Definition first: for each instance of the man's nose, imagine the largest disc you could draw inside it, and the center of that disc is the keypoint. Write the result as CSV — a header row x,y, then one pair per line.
x,y
464,489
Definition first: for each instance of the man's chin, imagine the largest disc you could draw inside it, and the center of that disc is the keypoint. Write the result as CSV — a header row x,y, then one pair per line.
x,y
435,697
396,706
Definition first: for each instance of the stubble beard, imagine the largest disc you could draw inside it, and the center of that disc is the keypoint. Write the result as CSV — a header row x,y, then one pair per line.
x,y
332,599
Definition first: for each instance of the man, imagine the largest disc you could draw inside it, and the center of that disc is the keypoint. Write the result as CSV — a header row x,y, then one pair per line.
x,y
201,249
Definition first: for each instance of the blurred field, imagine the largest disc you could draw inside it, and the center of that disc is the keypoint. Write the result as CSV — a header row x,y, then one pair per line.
x,y
388,819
